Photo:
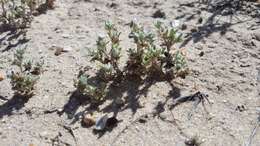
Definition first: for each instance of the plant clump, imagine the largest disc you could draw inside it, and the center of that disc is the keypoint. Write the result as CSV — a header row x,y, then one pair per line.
x,y
18,14
95,91
15,14
108,56
148,57
24,79
174,59
107,53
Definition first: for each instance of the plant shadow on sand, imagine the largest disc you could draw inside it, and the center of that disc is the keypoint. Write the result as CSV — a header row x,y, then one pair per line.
x,y
10,35
16,103
212,24
17,35
129,87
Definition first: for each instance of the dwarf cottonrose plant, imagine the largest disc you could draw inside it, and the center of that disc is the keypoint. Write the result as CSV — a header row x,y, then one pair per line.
x,y
24,79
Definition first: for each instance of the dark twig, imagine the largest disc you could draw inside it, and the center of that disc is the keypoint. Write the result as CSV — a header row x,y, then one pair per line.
x,y
3,98
57,142
55,110
198,98
70,130
174,122
44,111
253,132
143,118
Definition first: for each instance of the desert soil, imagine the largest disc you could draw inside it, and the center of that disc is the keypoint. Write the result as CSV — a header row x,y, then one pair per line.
x,y
223,55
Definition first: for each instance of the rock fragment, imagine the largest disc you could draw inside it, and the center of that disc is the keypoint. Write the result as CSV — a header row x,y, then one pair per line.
x,y
88,120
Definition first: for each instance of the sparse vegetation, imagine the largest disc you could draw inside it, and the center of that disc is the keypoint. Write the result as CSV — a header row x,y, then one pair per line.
x,y
146,59
182,73
174,59
146,56
108,57
96,91
17,14
24,79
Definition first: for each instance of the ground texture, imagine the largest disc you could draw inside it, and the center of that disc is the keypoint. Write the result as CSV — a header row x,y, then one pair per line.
x,y
223,52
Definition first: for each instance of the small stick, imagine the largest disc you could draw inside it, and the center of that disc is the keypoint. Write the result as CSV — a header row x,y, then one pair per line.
x,y
198,97
59,142
194,107
70,130
152,114
253,132
3,98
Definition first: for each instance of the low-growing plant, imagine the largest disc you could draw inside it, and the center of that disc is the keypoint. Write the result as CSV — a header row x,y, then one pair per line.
x,y
24,79
96,91
146,58
107,53
168,36
18,14
174,59
15,14
149,58
108,56
42,8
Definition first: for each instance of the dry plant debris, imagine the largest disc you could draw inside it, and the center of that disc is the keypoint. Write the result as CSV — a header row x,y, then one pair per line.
x,y
197,98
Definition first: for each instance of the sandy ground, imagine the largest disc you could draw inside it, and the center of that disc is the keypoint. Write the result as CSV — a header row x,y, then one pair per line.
x,y
226,71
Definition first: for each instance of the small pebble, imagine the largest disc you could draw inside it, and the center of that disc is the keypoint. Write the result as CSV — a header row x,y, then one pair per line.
x,y
201,54
67,49
88,121
60,110
66,36
211,46
183,26
113,5
58,51
193,30
175,23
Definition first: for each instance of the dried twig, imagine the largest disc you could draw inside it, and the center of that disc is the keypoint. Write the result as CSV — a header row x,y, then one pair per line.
x,y
70,130
198,98
57,142
257,125
144,117
3,98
